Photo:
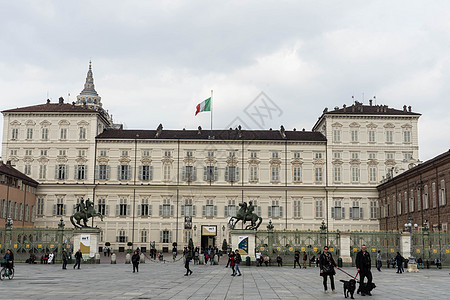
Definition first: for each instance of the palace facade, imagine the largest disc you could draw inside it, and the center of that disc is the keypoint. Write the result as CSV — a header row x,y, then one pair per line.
x,y
172,185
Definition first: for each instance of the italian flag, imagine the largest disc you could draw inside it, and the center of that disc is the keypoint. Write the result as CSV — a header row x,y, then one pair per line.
x,y
204,106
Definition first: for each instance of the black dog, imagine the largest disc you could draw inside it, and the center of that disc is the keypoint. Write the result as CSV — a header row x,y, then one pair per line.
x,y
349,288
365,288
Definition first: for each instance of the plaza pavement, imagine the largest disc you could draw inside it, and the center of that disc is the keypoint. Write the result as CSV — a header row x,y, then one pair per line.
x,y
167,281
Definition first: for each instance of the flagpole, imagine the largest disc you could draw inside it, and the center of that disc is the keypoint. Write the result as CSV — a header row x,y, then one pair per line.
x,y
211,106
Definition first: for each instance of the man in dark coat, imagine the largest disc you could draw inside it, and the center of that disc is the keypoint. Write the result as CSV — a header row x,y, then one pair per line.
x,y
188,258
65,257
78,257
297,259
135,261
363,264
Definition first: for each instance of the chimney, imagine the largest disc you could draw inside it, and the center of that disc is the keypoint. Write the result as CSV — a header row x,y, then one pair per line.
x,y
295,129
303,129
199,131
404,107
61,100
345,108
409,108
8,163
48,101
370,102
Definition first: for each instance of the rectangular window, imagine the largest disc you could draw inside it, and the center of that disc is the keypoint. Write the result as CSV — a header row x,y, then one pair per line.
x,y
80,172
275,174
29,133
28,152
188,210
166,210
143,209
390,155
42,171
63,134
230,210
354,135
407,136
337,212
433,194
337,155
13,152
124,172
372,155
231,173
81,153
43,152
146,173
61,172
27,170
122,238
40,206
371,135
125,153
144,234
337,170
274,154
209,210
296,155
297,209
407,156
355,211
82,133
165,236
373,209
318,155
442,199
103,172
166,172
210,173
14,133
319,208
297,173
355,174
101,207
123,207
389,136
210,153
336,135
60,207
62,152
145,153
411,201
253,155
318,174
253,173
232,154
102,153
372,174
355,155
44,134
189,154
167,153
275,211
425,197
189,173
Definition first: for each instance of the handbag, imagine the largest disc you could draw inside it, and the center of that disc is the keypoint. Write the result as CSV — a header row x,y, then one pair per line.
x,y
327,269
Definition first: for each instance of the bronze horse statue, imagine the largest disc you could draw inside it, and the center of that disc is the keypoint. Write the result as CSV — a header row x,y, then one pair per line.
x,y
85,212
245,214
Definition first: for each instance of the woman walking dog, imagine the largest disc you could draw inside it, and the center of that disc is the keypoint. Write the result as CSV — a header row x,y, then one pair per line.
x,y
327,265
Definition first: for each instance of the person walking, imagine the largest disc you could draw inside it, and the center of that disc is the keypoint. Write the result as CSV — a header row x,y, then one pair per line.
x,y
237,261
230,255
174,253
104,251
135,261
78,256
327,264
65,257
363,265
379,263
232,262
305,258
297,259
399,262
187,259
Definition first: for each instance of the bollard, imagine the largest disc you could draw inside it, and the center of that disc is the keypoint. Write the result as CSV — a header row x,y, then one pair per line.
x,y
142,258
128,258
216,260
113,258
201,259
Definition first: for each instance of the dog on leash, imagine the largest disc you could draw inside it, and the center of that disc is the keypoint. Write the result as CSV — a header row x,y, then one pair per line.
x,y
366,289
349,288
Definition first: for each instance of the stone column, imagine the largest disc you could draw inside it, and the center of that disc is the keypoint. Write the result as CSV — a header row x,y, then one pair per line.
x,y
405,244
345,249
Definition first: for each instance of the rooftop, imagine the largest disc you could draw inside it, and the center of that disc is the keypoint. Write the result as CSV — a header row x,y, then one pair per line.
x,y
11,171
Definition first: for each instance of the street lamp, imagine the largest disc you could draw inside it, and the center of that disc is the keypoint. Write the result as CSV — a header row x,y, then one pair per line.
x,y
410,228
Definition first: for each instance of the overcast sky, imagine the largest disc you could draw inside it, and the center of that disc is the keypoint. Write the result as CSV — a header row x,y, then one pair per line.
x,y
154,61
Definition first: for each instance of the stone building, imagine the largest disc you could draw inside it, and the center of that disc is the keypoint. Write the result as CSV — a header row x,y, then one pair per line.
x,y
419,193
171,185
17,197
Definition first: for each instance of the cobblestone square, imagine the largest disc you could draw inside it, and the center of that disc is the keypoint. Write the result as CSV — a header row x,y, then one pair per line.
x,y
167,281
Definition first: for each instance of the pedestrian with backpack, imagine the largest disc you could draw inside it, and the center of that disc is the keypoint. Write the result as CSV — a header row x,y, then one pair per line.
x,y
237,261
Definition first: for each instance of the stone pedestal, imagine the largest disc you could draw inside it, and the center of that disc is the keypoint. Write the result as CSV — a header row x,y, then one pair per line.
x,y
245,242
412,268
87,240
113,258
405,245
345,249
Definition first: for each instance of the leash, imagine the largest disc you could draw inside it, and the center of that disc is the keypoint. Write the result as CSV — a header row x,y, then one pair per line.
x,y
348,273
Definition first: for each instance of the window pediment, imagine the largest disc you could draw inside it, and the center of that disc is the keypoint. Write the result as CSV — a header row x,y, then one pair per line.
x,y
64,122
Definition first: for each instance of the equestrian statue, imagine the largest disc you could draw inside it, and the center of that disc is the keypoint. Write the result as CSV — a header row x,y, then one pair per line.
x,y
84,211
244,214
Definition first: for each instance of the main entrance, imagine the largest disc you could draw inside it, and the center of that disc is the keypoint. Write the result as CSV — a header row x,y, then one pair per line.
x,y
209,234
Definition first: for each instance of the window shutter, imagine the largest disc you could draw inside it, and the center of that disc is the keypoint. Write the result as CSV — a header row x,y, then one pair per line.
x,y
194,210
227,173
361,213
106,210
54,210
182,210
85,172
161,236
172,210
203,210
269,211
108,172
128,210
75,172
126,239
350,212
205,173
194,174
216,174
139,210
56,171
170,236
332,213
343,212
118,172
225,214
160,211
140,172
117,210
150,172
237,174
96,172
281,211
258,209
117,238
128,172
183,173
64,210
215,210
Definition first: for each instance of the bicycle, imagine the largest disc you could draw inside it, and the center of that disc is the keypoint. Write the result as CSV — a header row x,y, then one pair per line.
x,y
6,272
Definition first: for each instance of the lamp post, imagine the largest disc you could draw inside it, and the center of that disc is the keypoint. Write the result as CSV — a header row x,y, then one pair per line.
x,y
412,265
